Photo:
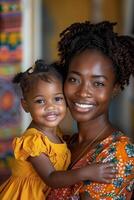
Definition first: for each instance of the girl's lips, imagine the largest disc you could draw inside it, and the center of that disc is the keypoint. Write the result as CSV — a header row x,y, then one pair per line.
x,y
52,116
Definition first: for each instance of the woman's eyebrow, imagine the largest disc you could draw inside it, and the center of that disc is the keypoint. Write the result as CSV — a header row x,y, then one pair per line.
x,y
100,76
75,72
94,76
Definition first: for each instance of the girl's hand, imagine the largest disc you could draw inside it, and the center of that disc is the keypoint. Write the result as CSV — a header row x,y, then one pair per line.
x,y
103,172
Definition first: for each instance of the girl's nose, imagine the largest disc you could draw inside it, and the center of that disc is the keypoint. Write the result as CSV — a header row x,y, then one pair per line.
x,y
50,106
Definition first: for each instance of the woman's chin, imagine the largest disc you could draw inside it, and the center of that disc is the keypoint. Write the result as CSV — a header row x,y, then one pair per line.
x,y
80,117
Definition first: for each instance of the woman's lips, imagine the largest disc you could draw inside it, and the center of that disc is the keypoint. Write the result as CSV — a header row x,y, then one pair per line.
x,y
83,107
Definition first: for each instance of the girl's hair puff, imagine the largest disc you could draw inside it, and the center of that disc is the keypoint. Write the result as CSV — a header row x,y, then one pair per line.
x,y
40,70
87,36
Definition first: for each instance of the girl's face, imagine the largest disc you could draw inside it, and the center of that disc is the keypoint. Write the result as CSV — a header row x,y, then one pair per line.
x,y
89,86
46,104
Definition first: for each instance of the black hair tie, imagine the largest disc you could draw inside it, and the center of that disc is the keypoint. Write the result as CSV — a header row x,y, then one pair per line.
x,y
40,66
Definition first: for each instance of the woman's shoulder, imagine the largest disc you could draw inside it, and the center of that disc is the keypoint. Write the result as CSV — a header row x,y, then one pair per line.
x,y
124,145
116,137
118,146
122,142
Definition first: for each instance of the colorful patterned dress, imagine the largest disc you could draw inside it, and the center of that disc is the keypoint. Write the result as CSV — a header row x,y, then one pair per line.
x,y
25,184
118,149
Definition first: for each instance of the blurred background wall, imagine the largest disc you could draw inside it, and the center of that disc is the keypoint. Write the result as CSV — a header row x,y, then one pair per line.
x,y
58,14
29,30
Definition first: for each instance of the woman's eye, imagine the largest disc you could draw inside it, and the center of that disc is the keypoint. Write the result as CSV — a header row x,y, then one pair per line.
x,y
99,84
73,80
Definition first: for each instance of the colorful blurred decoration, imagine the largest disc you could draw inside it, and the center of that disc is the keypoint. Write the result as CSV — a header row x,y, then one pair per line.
x,y
9,109
10,47
10,64
6,153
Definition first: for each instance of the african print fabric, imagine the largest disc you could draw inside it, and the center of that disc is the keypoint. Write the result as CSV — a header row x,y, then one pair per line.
x,y
115,149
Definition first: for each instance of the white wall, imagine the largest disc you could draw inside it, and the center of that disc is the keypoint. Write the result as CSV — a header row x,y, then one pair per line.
x,y
31,40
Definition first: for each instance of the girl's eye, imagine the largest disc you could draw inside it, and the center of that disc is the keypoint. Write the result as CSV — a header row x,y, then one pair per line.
x,y
99,84
59,99
40,101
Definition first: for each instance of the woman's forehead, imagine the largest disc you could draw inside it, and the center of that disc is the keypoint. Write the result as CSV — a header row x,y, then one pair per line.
x,y
91,55
85,60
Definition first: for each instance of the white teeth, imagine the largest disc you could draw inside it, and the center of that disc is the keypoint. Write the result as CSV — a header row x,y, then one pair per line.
x,y
83,105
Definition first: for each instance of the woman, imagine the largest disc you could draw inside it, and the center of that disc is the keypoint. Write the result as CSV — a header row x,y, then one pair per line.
x,y
97,64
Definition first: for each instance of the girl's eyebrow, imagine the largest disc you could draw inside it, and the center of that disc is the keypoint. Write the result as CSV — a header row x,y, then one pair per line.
x,y
38,96
42,96
94,76
59,93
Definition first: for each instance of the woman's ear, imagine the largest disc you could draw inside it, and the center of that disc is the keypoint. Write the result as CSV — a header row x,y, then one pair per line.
x,y
24,105
116,90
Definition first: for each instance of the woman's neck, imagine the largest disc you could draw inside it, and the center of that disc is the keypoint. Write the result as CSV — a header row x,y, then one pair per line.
x,y
89,131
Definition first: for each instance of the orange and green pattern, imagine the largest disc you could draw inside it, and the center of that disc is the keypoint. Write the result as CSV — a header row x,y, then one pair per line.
x,y
118,149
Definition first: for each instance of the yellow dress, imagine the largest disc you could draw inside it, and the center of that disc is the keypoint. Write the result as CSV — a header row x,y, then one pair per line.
x,y
25,184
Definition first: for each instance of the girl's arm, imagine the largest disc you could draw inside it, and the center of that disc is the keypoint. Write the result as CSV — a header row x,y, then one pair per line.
x,y
56,179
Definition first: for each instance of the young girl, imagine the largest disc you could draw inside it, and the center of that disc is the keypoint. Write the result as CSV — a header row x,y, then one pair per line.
x,y
97,63
40,150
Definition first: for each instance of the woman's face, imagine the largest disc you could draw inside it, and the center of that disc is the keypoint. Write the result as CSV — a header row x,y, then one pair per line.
x,y
89,86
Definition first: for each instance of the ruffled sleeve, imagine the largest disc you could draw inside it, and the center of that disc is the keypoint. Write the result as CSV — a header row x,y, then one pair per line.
x,y
32,143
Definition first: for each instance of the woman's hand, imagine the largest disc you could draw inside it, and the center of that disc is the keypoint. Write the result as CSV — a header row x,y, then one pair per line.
x,y
101,172
85,196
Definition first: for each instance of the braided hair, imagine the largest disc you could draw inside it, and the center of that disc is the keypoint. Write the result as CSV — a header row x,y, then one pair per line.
x,y
40,70
83,36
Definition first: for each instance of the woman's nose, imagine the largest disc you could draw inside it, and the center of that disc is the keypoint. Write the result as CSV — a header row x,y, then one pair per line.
x,y
84,90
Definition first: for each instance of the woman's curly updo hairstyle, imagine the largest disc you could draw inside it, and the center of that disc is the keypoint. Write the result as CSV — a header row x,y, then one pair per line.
x,y
40,70
86,36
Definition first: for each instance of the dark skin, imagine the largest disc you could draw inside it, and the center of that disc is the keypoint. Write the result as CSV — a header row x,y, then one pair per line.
x,y
89,87
46,104
85,196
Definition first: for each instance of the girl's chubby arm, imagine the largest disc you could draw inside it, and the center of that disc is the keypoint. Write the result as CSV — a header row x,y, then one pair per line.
x,y
57,179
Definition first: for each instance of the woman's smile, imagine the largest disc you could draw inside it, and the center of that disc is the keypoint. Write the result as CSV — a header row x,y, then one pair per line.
x,y
83,107
88,87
